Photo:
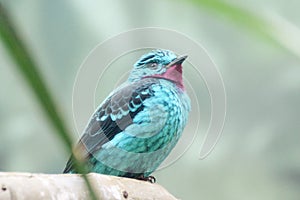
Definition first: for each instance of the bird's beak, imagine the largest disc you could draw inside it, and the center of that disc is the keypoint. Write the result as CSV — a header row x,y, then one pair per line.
x,y
178,61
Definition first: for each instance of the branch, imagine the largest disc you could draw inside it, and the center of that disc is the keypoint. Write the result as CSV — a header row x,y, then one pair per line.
x,y
15,186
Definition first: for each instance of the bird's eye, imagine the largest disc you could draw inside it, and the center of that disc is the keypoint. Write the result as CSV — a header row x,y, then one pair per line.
x,y
153,65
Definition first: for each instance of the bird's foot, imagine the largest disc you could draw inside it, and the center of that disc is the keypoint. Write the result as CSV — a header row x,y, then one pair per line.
x,y
150,179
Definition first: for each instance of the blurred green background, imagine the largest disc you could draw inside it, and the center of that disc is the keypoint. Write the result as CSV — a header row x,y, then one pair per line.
x,y
256,45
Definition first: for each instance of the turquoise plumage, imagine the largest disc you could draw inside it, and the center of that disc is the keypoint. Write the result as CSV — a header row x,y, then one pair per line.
x,y
140,122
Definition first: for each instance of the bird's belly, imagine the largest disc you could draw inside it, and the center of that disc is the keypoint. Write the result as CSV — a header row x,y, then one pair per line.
x,y
133,156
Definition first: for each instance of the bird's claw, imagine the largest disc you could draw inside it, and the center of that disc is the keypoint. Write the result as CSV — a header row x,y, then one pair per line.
x,y
150,179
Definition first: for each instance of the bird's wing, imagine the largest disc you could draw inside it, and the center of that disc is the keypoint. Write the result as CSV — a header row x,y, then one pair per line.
x,y
113,116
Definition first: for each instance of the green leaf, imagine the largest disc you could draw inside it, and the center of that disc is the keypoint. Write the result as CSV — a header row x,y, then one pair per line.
x,y
30,71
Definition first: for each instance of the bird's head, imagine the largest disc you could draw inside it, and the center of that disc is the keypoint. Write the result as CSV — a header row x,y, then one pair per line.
x,y
159,64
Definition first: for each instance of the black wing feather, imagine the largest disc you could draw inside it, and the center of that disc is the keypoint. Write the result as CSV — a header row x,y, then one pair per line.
x,y
103,127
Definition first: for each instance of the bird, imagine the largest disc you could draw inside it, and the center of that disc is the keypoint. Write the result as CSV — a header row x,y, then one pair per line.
x,y
135,128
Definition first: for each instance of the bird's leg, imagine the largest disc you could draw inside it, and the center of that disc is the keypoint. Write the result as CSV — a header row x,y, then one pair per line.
x,y
150,179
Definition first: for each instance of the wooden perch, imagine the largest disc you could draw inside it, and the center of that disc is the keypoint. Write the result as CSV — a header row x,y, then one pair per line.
x,y
15,186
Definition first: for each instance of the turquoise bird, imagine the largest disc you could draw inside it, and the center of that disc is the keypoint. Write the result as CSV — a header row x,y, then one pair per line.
x,y
135,128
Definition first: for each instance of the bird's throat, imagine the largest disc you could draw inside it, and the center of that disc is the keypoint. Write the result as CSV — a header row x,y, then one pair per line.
x,y
174,74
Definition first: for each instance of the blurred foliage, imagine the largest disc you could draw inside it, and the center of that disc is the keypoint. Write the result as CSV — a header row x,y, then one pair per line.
x,y
237,15
254,23
30,72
